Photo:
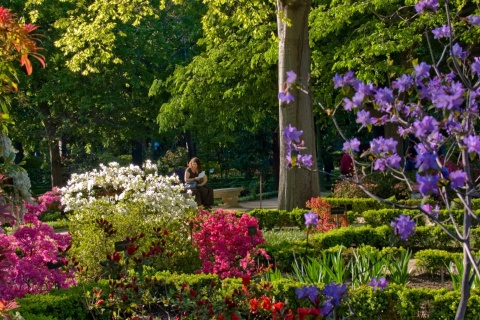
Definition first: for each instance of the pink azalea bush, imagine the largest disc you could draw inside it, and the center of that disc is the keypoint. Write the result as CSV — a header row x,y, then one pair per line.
x,y
25,256
226,247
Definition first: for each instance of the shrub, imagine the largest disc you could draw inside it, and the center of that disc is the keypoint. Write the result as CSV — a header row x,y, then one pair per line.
x,y
326,221
227,244
27,256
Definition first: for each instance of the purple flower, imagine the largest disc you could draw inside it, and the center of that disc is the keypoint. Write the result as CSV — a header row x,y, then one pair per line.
x,y
348,104
381,144
335,291
349,77
403,226
326,308
380,284
473,143
380,164
311,219
310,292
458,179
337,81
352,145
304,160
475,20
286,97
425,161
291,76
423,128
426,4
427,184
363,117
358,98
422,70
433,211
366,89
442,32
291,134
394,161
476,66
403,83
383,95
457,51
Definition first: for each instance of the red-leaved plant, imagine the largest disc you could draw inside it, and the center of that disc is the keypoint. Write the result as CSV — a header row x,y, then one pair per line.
x,y
326,221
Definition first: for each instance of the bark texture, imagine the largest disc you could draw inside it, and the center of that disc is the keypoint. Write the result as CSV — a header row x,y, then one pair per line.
x,y
296,186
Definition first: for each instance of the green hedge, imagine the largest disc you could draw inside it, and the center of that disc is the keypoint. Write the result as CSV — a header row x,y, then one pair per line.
x,y
435,261
63,304
394,303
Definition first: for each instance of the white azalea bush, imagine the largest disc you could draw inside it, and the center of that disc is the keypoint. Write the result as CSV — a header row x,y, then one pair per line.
x,y
117,185
115,203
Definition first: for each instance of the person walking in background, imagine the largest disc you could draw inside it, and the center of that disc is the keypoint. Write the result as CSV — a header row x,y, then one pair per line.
x,y
346,165
202,192
410,156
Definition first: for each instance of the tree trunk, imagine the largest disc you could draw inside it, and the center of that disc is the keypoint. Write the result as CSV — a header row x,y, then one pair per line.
x,y
53,138
296,186
55,163
137,153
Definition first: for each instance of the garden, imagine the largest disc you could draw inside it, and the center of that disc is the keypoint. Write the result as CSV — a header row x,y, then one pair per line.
x,y
125,240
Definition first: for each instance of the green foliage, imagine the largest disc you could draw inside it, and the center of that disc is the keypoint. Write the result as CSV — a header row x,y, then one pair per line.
x,y
381,217
378,183
172,160
58,304
91,241
434,261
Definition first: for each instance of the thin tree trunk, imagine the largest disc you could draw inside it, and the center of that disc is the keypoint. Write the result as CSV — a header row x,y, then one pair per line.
x,y
296,186
52,135
467,264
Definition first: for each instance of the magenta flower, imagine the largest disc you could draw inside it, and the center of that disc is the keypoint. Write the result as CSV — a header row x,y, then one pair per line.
x,y
291,76
311,219
403,226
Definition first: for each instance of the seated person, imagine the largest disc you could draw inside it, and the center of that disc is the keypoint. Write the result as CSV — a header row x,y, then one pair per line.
x,y
203,193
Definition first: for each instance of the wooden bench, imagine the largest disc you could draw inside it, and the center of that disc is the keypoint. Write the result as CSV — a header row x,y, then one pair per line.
x,y
229,196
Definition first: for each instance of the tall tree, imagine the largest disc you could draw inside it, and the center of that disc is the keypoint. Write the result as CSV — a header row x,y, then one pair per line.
x,y
299,185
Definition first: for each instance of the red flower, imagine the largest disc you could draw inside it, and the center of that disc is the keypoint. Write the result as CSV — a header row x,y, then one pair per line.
x,y
253,305
246,280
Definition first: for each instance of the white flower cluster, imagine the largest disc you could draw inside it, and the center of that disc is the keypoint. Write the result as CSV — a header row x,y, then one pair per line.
x,y
6,148
115,184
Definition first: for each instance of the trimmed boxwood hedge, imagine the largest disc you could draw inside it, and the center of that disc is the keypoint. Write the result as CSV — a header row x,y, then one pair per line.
x,y
394,303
